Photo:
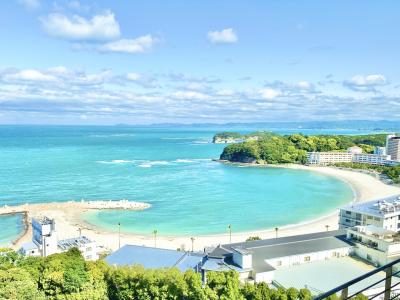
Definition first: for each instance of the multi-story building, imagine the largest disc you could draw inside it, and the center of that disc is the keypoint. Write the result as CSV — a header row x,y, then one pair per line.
x,y
326,158
374,159
353,154
384,213
393,147
377,245
45,242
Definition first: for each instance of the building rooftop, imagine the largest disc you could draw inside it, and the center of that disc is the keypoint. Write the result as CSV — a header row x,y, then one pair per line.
x,y
29,246
74,242
335,272
373,230
153,258
262,250
377,207
44,220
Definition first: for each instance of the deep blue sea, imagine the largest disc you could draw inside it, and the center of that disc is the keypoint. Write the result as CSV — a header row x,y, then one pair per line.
x,y
169,167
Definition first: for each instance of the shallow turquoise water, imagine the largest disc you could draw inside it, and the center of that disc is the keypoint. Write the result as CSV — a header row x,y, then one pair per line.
x,y
170,168
11,227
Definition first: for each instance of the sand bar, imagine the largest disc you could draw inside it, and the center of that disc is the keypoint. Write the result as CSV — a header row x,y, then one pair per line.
x,y
69,221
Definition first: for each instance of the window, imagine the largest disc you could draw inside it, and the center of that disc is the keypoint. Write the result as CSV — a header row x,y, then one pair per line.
x,y
307,258
369,217
89,249
348,212
279,263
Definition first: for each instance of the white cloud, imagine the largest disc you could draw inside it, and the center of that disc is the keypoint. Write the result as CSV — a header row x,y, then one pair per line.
x,y
225,36
190,95
131,46
30,75
30,4
365,82
99,28
133,76
268,93
304,85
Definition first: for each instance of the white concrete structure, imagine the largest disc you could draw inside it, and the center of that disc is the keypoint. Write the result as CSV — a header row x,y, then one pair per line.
x,y
374,159
384,213
353,154
393,147
377,245
326,158
85,245
45,241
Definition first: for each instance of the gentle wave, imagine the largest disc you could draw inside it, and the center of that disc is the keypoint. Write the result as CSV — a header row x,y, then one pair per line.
x,y
149,163
115,161
112,135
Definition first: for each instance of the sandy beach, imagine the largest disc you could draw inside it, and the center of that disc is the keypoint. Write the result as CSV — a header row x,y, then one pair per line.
x,y
69,222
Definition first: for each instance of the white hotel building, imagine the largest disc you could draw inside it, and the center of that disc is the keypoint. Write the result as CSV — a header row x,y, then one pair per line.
x,y
383,213
353,154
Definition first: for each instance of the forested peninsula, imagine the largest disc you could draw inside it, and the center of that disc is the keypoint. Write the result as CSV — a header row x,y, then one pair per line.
x,y
270,148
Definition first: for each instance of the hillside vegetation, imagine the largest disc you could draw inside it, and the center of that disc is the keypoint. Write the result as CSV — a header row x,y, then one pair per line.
x,y
69,276
275,149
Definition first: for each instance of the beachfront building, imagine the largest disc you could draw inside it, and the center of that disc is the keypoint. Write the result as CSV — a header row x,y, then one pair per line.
x,y
393,147
353,154
258,260
384,213
154,258
374,244
45,241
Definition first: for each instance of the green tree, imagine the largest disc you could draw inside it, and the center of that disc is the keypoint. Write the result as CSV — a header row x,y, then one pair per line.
x,y
16,283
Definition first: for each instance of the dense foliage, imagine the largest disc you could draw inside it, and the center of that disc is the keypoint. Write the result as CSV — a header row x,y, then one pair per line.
x,y
227,135
392,172
274,149
68,276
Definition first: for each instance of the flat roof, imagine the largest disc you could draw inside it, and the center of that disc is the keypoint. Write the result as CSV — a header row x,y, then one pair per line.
x,y
74,242
262,250
318,238
29,246
376,207
154,258
340,270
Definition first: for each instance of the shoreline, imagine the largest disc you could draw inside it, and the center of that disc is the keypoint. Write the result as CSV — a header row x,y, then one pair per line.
x,y
365,187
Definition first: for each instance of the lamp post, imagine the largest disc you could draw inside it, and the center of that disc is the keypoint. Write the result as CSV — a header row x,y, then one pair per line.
x,y
192,239
80,231
230,233
155,237
276,232
327,227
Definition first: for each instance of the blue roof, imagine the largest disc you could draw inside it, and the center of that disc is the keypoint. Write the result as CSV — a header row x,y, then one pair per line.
x,y
154,258
29,246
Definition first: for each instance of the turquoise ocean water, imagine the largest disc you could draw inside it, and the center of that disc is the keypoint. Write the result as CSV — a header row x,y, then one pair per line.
x,y
170,168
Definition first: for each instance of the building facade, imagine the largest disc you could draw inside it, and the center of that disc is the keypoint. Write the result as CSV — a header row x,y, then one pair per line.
x,y
45,241
393,147
376,245
353,154
383,213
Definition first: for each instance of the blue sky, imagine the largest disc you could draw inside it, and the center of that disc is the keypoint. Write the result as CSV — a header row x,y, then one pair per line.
x,y
136,62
